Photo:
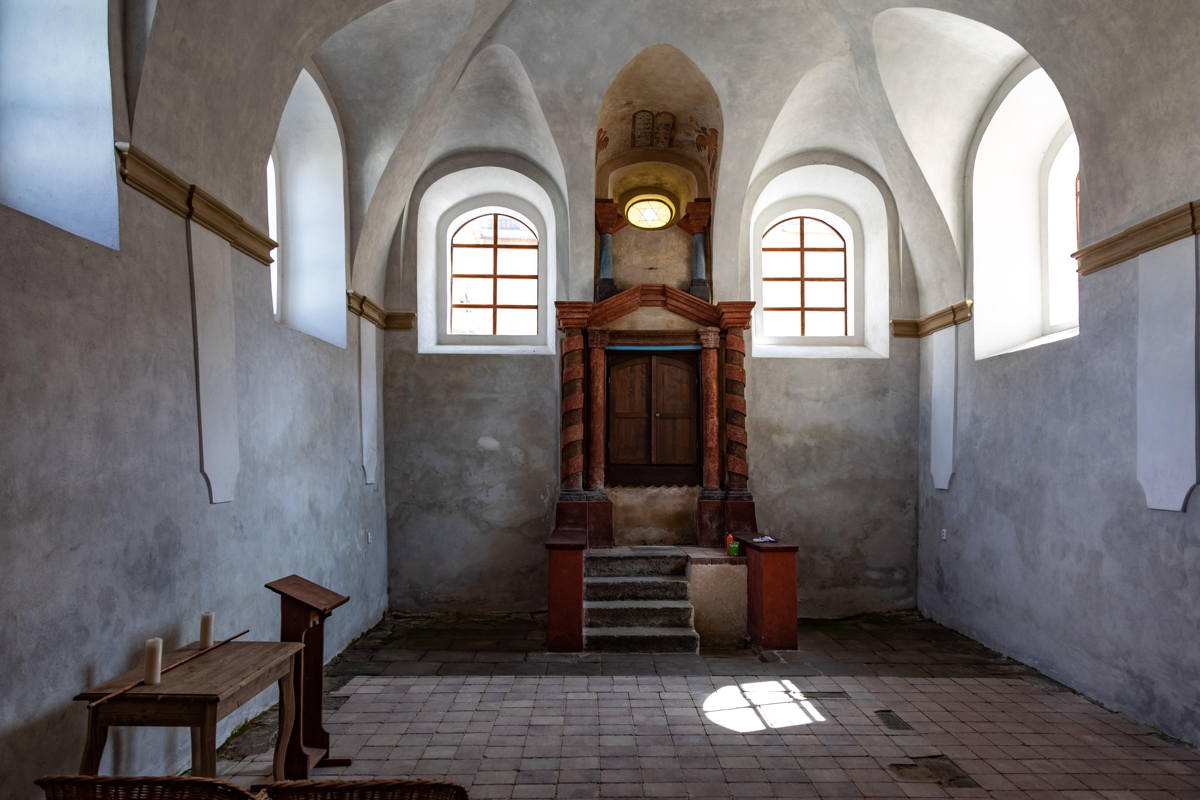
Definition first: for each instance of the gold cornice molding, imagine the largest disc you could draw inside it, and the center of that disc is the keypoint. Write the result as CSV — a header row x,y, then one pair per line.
x,y
189,201
1143,237
946,317
362,306
399,321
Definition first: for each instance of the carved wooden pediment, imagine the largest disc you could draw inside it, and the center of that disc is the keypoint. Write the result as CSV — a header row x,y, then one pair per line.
x,y
583,314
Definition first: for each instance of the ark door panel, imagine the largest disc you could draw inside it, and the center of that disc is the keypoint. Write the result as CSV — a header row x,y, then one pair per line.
x,y
675,407
629,412
653,425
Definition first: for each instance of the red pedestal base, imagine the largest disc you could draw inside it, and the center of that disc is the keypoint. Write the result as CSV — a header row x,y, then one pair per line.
x,y
710,523
771,594
564,591
592,516
717,517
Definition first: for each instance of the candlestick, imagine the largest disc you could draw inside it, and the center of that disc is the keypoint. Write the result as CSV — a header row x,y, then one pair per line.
x,y
207,623
153,673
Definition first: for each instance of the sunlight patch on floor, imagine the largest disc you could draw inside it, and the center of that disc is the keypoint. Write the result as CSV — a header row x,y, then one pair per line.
x,y
759,706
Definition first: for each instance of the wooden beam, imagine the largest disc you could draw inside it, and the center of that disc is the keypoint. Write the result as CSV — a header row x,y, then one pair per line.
x,y
1143,237
140,171
956,314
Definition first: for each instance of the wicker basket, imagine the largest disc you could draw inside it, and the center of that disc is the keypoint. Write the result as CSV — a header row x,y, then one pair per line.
x,y
97,787
365,790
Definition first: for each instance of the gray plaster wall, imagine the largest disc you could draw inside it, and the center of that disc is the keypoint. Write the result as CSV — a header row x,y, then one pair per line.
x,y
108,537
1051,555
472,464
833,468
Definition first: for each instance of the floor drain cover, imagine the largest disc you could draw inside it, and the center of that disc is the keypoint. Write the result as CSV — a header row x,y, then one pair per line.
x,y
933,769
827,695
892,720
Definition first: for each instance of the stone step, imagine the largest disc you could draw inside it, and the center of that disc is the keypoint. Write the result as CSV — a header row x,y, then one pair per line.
x,y
637,614
641,640
635,561
650,587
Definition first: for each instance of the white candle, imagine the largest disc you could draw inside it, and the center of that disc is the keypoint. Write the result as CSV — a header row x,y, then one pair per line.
x,y
207,622
153,675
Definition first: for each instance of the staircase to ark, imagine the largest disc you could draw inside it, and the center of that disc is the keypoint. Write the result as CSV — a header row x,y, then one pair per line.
x,y
636,601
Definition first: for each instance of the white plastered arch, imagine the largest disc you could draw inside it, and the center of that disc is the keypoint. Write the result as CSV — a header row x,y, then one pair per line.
x,y
842,185
447,192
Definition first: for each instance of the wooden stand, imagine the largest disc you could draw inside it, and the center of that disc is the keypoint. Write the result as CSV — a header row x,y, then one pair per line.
x,y
303,608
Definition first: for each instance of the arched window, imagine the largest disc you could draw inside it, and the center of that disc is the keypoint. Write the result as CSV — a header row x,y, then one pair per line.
x,y
824,250
805,289
487,248
56,116
1024,218
309,164
494,277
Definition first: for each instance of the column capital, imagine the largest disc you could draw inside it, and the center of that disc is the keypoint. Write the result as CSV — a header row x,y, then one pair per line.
x,y
710,338
608,218
735,314
699,212
598,338
573,313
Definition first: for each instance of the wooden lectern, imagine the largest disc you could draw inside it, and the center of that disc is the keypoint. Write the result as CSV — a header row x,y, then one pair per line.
x,y
303,608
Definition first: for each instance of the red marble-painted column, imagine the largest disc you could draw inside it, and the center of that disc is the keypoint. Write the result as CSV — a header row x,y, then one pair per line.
x,y
597,410
710,508
710,340
737,463
572,410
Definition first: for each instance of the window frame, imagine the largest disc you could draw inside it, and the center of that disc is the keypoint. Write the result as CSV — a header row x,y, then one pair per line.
x,y
803,279
843,219
449,223
495,275
1057,144
274,223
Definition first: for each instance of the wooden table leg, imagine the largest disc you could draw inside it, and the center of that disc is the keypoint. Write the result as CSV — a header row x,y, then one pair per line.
x,y
204,745
93,747
287,718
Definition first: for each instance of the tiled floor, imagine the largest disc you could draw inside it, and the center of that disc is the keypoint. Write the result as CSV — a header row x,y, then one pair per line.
x,y
481,705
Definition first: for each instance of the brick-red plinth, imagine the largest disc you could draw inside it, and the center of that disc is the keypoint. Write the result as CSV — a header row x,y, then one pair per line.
x,y
593,517
740,517
770,594
710,523
564,596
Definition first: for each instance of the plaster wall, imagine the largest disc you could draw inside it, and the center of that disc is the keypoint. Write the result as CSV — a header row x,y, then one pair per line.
x,y
833,469
108,535
662,256
1051,555
471,447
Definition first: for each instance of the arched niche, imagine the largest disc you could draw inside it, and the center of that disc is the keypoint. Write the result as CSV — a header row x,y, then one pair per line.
x,y
658,131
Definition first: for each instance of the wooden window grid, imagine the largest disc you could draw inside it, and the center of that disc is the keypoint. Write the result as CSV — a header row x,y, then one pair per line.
x,y
495,275
802,280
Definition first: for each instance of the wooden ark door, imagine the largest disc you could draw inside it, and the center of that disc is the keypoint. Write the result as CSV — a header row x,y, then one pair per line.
x,y
653,419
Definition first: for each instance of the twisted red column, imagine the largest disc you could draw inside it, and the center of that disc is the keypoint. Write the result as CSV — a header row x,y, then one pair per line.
x,y
710,340
737,466
572,410
597,411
